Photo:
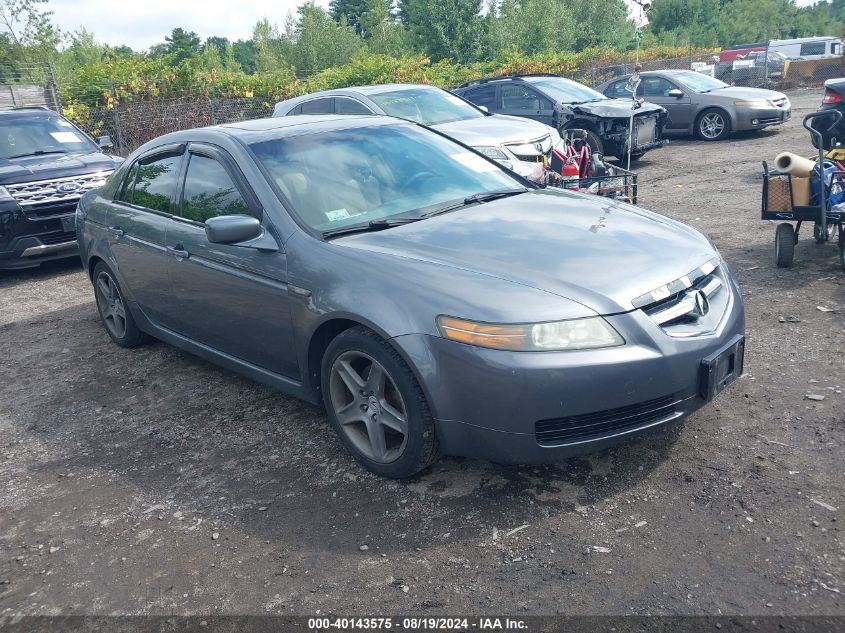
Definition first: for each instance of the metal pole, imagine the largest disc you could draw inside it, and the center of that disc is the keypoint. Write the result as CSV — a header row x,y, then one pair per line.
x,y
118,130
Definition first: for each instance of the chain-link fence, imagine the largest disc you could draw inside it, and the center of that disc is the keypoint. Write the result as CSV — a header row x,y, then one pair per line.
x,y
27,85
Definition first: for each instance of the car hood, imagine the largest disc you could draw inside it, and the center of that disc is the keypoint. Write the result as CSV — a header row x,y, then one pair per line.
x,y
737,92
614,108
494,130
30,168
591,250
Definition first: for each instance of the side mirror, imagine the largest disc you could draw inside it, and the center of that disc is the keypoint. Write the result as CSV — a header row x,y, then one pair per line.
x,y
676,92
483,108
232,229
105,142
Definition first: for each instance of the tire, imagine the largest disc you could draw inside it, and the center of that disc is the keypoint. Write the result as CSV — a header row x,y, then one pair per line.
x,y
817,232
382,418
784,245
713,125
114,313
595,143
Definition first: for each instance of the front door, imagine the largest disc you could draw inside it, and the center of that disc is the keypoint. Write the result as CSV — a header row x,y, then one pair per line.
x,y
140,215
520,100
233,299
656,90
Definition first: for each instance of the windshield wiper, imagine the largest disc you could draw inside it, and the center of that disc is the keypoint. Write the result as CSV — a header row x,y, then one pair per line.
x,y
372,225
38,152
476,198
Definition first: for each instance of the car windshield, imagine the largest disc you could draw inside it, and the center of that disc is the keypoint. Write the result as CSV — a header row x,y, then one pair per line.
x,y
698,82
565,90
429,106
22,136
356,176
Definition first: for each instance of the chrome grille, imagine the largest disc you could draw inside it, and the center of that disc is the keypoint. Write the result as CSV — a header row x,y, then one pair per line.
x,y
57,190
692,305
531,151
783,102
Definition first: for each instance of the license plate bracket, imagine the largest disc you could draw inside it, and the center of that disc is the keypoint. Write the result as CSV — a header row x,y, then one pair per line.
x,y
68,223
721,369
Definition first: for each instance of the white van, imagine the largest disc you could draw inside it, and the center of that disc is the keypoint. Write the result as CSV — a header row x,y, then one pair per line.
x,y
808,47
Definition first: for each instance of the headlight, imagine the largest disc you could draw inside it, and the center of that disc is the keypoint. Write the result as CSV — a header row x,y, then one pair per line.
x,y
758,103
5,196
492,152
575,334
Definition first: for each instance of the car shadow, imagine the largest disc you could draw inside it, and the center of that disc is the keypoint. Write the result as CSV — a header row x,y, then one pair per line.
x,y
165,430
53,268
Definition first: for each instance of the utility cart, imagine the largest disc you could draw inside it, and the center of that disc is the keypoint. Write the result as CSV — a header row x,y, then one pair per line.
x,y
779,201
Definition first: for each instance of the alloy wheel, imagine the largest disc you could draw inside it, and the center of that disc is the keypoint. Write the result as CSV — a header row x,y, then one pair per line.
x,y
712,125
111,305
368,406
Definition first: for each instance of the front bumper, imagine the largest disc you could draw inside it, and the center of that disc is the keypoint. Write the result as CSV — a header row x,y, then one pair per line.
x,y
27,242
498,405
759,118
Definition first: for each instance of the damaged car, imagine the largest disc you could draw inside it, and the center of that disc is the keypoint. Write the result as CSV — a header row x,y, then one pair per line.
x,y
565,104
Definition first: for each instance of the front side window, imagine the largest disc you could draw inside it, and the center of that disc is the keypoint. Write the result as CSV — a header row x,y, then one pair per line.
x,y
353,176
429,106
152,181
210,191
518,97
656,87
343,105
26,135
619,90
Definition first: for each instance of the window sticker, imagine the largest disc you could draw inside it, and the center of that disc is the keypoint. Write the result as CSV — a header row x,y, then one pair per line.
x,y
474,162
337,215
65,137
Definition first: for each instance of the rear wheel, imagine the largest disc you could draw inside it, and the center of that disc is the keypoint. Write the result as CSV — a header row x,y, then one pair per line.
x,y
713,125
784,245
114,312
376,405
818,236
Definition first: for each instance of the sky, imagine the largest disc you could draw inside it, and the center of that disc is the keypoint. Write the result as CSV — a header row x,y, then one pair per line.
x,y
142,23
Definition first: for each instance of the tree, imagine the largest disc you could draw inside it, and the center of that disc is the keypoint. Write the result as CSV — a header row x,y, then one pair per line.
x,y
600,23
318,41
183,44
531,26
350,10
446,29
28,32
686,22
243,52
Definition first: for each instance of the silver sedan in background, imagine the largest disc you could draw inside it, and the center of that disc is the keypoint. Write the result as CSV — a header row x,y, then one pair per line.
x,y
704,106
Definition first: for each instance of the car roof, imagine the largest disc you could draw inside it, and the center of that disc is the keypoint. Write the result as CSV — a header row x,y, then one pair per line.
x,y
29,111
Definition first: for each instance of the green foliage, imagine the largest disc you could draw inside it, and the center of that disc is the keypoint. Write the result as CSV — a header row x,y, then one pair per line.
x,y
446,29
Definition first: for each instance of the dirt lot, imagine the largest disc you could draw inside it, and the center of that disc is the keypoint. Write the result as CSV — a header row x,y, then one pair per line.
x,y
150,482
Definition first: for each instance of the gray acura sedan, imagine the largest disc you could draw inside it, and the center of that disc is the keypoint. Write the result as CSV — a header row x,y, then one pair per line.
x,y
435,302
704,106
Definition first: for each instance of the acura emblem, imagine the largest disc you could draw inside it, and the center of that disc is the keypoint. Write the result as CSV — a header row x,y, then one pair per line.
x,y
538,147
67,187
702,304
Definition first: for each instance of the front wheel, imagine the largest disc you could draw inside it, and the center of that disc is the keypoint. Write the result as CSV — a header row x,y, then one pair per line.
x,y
713,125
376,405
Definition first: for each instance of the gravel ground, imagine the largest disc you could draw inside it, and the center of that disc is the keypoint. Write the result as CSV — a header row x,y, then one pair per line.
x,y
150,482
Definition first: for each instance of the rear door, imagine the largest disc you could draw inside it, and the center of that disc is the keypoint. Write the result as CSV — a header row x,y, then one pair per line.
x,y
140,215
519,100
482,96
233,299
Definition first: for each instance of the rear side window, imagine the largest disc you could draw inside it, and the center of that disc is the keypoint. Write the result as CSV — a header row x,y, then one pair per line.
x,y
210,191
342,105
151,182
812,48
482,96
317,106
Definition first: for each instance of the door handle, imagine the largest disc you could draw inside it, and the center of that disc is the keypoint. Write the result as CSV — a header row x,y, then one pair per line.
x,y
178,252
117,231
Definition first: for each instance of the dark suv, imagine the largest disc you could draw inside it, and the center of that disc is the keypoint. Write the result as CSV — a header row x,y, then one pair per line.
x,y
566,104
46,164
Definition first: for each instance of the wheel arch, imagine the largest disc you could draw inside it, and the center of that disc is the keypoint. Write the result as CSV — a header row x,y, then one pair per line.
x,y
702,111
